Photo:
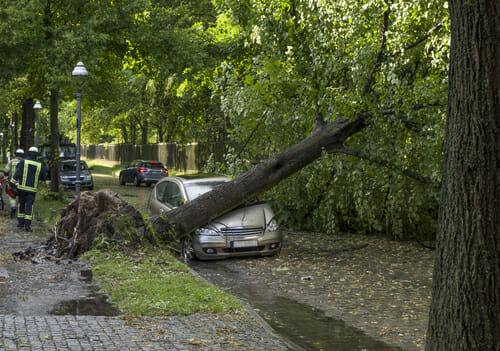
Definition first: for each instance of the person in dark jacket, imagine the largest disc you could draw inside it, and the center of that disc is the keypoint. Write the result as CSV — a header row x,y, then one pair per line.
x,y
28,172
9,171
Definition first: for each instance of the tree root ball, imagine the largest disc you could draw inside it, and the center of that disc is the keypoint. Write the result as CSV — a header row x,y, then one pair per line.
x,y
102,215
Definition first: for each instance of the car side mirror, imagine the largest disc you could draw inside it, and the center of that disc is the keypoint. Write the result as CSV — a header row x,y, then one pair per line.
x,y
90,168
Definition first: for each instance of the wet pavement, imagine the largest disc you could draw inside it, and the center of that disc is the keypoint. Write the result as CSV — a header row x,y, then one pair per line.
x,y
38,311
349,292
306,326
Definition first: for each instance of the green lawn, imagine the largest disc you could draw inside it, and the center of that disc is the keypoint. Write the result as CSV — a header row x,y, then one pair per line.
x,y
154,283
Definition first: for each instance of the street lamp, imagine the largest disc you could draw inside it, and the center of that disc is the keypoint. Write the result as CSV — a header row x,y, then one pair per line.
x,y
14,140
4,158
79,74
37,106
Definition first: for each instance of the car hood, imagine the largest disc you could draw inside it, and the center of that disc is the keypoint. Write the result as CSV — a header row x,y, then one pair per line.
x,y
256,214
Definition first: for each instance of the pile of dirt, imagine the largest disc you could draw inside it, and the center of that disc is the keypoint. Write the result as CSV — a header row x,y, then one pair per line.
x,y
94,215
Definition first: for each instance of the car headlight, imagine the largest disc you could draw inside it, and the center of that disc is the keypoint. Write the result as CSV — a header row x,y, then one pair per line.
x,y
64,178
206,231
272,225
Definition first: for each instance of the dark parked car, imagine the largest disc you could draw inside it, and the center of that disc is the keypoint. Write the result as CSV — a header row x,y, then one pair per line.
x,y
139,171
67,175
248,230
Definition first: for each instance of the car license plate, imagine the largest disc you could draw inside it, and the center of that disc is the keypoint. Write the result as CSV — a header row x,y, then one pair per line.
x,y
244,243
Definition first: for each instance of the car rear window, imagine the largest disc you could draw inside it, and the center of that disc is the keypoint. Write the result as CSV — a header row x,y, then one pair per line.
x,y
153,164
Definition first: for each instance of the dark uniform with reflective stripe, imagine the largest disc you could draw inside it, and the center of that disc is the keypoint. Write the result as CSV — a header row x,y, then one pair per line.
x,y
28,172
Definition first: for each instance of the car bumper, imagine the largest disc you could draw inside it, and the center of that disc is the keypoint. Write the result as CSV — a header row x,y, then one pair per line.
x,y
219,247
151,179
83,185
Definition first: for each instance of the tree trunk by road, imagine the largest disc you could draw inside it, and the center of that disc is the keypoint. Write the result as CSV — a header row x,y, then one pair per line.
x,y
28,125
465,308
54,141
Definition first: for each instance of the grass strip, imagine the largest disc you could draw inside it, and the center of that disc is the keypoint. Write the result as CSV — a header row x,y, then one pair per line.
x,y
154,283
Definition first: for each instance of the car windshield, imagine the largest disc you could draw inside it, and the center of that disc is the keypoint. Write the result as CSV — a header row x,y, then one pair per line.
x,y
193,190
71,167
64,152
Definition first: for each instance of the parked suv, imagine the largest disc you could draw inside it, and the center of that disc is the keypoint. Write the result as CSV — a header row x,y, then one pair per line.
x,y
140,171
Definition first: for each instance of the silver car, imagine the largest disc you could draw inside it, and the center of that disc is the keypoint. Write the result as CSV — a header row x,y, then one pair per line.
x,y
249,230
67,175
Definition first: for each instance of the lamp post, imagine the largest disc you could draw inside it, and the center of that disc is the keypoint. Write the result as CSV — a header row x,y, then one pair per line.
x,y
79,74
14,140
37,106
4,158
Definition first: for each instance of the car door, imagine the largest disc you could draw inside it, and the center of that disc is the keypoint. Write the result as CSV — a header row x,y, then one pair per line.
x,y
166,195
155,203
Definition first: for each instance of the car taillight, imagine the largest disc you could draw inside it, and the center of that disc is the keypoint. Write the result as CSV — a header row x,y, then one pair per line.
x,y
142,170
164,171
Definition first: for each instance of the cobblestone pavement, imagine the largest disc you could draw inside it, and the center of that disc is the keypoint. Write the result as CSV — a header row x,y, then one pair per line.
x,y
26,324
74,333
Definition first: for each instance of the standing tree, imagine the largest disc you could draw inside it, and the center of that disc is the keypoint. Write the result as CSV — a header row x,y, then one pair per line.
x,y
28,125
465,308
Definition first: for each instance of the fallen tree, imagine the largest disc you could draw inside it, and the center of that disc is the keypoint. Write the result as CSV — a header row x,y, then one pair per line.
x,y
186,218
326,137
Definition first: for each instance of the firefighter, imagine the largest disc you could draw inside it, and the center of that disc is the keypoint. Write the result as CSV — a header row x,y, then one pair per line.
x,y
9,171
28,172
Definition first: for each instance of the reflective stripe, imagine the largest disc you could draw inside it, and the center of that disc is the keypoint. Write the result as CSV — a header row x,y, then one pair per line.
x,y
13,166
30,183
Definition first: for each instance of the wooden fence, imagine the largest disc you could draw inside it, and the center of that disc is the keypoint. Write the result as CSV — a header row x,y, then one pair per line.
x,y
183,157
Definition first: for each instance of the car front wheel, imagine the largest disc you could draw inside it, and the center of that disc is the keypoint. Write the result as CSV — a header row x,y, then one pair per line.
x,y
187,249
122,179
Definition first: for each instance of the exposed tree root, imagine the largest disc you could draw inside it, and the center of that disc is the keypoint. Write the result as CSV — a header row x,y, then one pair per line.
x,y
97,215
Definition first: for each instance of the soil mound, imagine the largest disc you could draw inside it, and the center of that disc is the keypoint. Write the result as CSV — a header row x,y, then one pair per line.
x,y
92,216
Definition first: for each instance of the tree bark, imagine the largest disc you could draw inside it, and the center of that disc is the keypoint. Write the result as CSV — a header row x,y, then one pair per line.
x,y
28,125
465,307
54,141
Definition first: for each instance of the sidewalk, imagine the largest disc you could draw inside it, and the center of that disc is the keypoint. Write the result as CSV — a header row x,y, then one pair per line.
x,y
29,291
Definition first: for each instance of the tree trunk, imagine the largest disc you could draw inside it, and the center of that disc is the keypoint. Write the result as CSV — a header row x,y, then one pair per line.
x,y
54,141
465,307
184,219
28,125
144,134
